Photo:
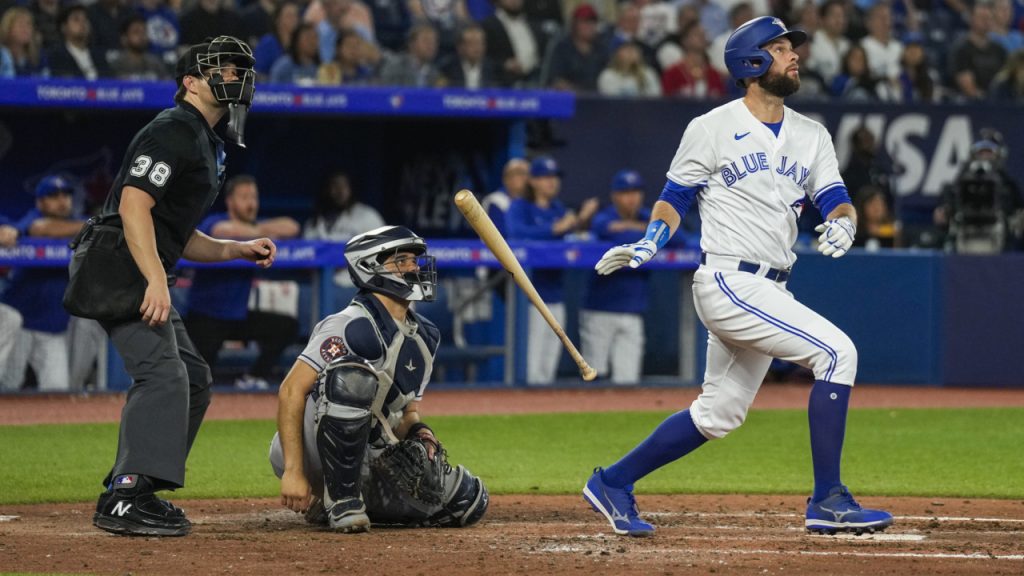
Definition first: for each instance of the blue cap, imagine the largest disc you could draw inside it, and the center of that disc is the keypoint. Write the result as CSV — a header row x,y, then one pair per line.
x,y
544,166
627,180
51,185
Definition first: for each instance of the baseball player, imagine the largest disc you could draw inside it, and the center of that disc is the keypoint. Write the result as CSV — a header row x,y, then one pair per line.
x,y
751,164
351,403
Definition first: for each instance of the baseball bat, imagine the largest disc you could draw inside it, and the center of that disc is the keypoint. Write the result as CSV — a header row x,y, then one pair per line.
x,y
495,242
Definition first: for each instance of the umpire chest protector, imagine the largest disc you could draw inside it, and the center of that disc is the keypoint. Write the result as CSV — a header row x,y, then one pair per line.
x,y
179,161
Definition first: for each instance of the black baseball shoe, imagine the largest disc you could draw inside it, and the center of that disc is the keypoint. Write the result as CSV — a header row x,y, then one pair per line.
x,y
133,511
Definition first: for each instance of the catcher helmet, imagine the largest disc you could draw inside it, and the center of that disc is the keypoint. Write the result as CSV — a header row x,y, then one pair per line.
x,y
367,253
744,53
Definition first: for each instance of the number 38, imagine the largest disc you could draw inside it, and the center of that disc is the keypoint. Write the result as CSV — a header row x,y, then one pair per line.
x,y
158,175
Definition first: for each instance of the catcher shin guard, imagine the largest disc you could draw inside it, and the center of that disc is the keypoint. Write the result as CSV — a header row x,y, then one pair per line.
x,y
466,501
343,425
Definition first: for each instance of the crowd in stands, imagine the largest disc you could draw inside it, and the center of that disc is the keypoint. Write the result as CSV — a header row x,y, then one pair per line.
x,y
897,51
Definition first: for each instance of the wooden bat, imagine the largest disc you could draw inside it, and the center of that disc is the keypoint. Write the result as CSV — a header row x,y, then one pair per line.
x,y
481,222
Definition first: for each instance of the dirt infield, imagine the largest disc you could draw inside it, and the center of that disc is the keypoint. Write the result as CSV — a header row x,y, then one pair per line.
x,y
722,534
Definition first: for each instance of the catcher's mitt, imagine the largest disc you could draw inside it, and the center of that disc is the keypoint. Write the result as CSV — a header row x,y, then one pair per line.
x,y
407,466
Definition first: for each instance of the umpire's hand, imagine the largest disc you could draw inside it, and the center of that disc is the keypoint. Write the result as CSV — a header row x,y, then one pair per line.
x,y
156,303
261,251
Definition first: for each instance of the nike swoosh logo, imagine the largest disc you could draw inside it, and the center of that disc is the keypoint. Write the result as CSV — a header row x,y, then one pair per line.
x,y
741,136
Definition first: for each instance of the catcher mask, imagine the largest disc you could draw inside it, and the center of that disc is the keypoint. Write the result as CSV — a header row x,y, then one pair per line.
x,y
378,261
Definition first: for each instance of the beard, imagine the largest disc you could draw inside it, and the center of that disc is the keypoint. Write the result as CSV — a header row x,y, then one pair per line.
x,y
780,85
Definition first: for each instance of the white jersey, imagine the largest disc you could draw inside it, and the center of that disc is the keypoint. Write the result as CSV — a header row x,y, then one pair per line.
x,y
753,185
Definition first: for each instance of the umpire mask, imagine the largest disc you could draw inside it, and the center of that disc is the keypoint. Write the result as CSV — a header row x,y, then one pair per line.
x,y
211,59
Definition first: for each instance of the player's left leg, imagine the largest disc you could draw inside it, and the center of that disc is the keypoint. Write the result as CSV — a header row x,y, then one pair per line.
x,y
596,339
48,356
762,315
543,349
627,349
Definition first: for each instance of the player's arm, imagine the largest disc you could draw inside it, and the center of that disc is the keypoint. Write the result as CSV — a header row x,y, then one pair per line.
x,y
282,227
55,228
666,216
203,248
832,200
411,426
140,236
291,406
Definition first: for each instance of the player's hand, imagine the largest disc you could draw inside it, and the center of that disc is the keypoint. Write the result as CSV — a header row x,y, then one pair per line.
x,y
156,303
632,254
430,441
261,251
296,493
836,236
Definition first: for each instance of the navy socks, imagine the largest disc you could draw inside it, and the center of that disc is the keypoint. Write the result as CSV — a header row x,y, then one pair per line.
x,y
672,439
826,414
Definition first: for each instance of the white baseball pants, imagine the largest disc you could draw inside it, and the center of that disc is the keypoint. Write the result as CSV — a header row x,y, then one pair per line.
x,y
616,338
543,348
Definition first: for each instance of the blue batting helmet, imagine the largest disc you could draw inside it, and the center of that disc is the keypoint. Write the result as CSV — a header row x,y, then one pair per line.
x,y
744,56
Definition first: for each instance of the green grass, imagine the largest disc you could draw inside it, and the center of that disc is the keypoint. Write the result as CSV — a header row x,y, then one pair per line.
x,y
962,452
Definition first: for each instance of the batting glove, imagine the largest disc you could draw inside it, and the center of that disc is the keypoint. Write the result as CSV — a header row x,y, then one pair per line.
x,y
632,254
836,236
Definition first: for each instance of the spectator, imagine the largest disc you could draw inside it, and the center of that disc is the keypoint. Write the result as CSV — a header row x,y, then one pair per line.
x,y
713,16
218,302
257,20
740,13
348,67
670,50
541,216
392,22
10,318
612,327
918,81
37,293
659,20
812,86
75,58
514,44
868,166
882,50
162,28
627,29
875,225
1003,31
341,15
19,45
209,19
45,14
577,60
627,75
106,17
514,178
469,67
448,18
830,41
856,83
134,61
975,59
693,76
415,67
547,14
1008,85
302,62
278,41
339,215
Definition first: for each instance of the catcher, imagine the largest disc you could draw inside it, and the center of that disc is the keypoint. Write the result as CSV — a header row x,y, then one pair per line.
x,y
350,448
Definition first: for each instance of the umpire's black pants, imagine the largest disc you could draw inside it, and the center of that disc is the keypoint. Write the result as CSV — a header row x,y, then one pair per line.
x,y
166,402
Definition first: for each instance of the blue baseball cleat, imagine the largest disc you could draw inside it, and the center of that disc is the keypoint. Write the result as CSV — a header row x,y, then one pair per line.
x,y
617,504
839,512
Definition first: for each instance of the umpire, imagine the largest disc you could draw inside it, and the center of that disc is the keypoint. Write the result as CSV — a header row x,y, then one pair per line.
x,y
169,177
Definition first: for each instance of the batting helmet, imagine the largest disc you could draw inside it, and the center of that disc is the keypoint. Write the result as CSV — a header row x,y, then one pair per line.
x,y
367,252
744,53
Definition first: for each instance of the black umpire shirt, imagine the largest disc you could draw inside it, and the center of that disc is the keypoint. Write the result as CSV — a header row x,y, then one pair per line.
x,y
179,161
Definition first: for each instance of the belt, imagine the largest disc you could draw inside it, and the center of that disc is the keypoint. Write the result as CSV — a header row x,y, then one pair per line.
x,y
731,263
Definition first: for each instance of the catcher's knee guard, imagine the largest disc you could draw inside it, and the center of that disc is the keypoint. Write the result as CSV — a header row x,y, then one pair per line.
x,y
466,500
343,424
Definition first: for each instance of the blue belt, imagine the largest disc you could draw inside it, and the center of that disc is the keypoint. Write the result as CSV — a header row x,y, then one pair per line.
x,y
773,274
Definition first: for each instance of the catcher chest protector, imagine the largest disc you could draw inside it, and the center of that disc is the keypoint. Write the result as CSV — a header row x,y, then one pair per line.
x,y
343,424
